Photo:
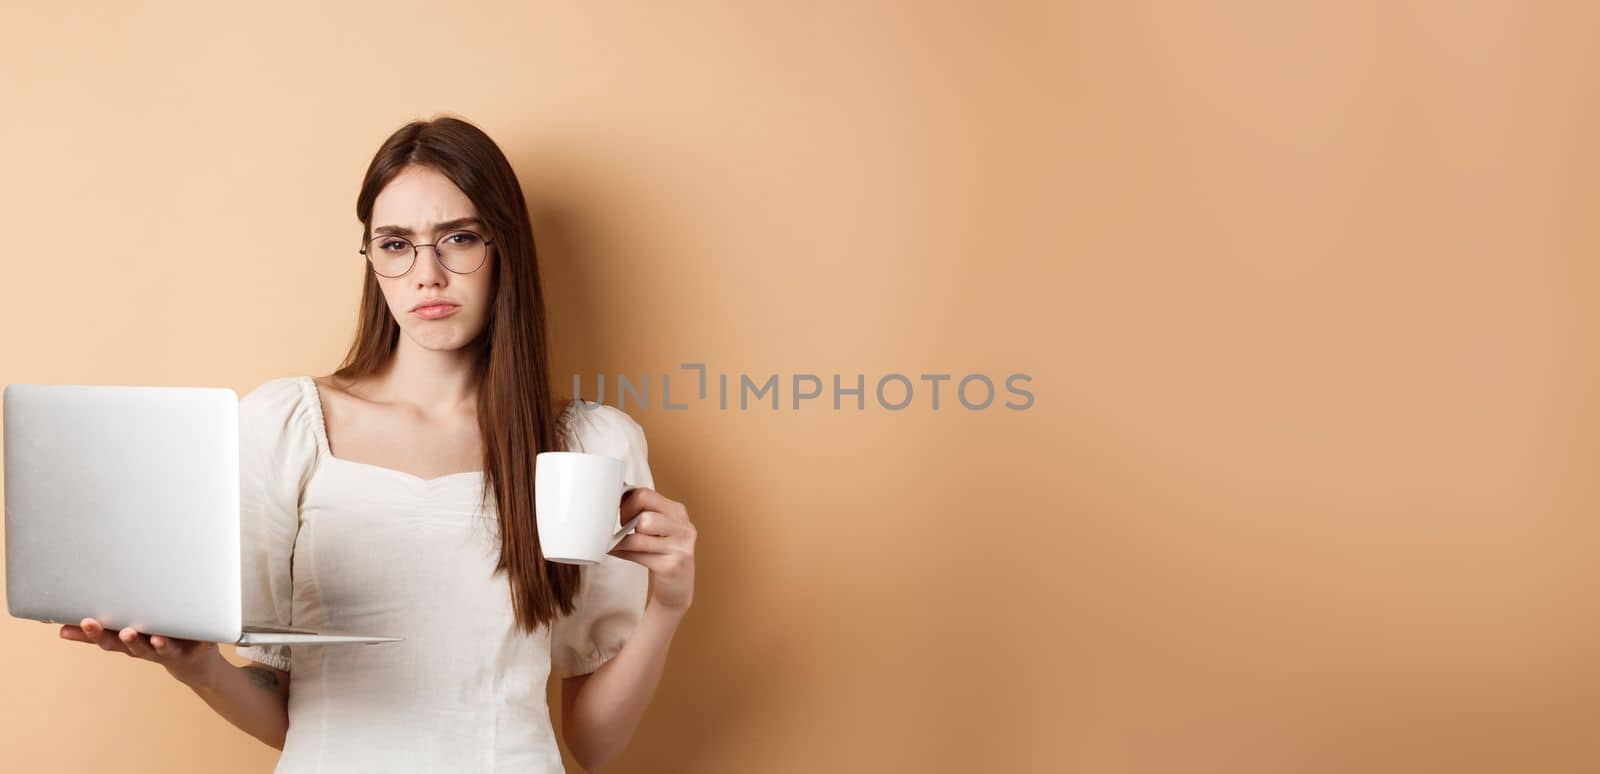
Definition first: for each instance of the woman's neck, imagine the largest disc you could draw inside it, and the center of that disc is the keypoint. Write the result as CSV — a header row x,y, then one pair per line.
x,y
434,380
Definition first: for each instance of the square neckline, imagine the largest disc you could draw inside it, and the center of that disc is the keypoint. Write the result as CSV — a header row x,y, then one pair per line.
x,y
313,395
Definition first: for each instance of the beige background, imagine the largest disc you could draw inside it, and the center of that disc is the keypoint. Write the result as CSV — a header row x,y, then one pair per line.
x,y
1306,292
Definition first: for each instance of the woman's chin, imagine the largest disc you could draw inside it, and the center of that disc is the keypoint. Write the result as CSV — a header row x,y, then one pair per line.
x,y
441,338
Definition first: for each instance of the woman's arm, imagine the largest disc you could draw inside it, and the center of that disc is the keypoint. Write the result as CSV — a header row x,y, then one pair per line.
x,y
600,710
254,697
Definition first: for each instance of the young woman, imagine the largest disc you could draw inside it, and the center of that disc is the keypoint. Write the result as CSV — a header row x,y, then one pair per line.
x,y
395,496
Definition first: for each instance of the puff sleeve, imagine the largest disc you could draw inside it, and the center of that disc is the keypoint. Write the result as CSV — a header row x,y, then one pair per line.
x,y
277,447
611,595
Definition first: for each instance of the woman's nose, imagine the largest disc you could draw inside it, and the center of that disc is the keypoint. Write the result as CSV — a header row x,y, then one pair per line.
x,y
429,270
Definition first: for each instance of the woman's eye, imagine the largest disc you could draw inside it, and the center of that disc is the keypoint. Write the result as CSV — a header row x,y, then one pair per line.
x,y
462,238
392,246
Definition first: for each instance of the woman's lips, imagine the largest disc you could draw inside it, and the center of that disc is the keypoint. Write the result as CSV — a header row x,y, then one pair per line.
x,y
435,312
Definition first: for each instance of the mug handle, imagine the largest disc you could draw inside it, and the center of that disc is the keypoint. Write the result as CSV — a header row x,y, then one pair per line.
x,y
625,529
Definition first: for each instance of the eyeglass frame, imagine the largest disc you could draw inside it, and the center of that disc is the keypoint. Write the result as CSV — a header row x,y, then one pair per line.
x,y
414,252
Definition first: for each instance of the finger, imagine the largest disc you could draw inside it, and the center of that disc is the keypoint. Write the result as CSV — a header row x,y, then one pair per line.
x,y
74,633
645,499
640,557
136,643
654,523
174,647
636,494
107,640
650,544
93,629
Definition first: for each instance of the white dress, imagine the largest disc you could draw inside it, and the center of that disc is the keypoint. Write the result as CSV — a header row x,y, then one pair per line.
x,y
334,543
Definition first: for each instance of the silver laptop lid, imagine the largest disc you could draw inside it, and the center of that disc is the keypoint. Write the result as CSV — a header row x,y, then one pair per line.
x,y
122,503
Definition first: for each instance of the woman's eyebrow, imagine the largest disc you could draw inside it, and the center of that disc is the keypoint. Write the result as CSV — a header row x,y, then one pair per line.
x,y
441,226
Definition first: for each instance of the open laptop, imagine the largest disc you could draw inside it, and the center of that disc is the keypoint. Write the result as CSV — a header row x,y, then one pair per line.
x,y
122,504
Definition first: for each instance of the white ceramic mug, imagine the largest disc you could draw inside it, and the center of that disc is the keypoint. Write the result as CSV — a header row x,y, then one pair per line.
x,y
577,503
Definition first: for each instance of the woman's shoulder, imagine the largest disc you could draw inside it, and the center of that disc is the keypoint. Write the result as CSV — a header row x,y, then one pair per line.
x,y
276,406
599,428
281,392
277,388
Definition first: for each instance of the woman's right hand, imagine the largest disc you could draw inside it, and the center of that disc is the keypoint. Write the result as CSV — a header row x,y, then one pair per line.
x,y
190,661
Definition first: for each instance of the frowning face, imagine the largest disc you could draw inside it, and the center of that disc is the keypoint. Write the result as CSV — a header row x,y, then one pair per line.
x,y
437,307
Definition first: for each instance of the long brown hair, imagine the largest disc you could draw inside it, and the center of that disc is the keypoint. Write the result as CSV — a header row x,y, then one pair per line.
x,y
517,410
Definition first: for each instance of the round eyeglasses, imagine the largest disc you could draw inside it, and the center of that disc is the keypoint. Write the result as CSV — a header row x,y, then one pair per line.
x,y
461,252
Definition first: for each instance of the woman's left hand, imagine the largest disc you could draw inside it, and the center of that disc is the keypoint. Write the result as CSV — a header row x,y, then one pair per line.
x,y
663,541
